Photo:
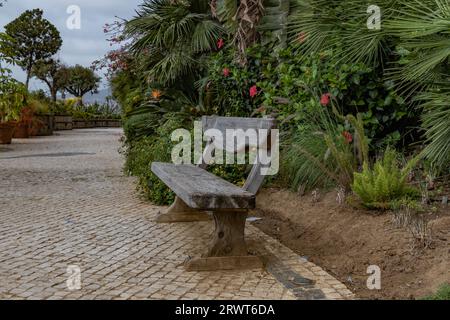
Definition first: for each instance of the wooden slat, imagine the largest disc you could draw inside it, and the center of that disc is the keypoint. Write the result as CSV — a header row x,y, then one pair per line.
x,y
223,123
200,189
255,179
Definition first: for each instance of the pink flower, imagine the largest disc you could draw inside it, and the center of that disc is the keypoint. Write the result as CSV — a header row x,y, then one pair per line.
x,y
348,137
220,43
253,91
325,99
226,72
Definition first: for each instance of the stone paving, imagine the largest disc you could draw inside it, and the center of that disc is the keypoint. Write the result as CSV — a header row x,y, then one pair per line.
x,y
65,202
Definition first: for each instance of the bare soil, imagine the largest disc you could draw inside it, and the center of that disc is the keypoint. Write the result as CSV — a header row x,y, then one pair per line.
x,y
344,241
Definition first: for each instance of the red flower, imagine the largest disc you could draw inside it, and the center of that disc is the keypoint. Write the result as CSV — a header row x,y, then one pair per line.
x,y
220,43
253,91
325,99
226,72
348,137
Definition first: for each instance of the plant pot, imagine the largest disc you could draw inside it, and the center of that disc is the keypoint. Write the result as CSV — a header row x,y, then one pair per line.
x,y
47,125
21,131
33,129
63,122
6,133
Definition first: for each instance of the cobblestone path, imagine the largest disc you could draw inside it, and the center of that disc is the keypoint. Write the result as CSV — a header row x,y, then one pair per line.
x,y
65,202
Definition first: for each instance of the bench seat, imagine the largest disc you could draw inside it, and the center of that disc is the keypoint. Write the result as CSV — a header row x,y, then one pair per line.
x,y
201,189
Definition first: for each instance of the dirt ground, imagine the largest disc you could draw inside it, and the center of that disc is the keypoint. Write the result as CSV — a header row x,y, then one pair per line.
x,y
345,241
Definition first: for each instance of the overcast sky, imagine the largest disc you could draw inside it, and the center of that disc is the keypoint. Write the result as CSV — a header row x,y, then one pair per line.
x,y
79,46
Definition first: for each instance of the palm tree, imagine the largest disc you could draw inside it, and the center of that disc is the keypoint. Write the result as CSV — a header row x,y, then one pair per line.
x,y
423,29
241,18
172,36
412,48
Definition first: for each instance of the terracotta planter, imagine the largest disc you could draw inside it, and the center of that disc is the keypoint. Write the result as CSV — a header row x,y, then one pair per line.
x,y
34,128
21,131
6,133
47,125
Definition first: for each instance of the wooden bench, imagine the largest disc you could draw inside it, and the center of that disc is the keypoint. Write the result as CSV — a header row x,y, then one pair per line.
x,y
200,195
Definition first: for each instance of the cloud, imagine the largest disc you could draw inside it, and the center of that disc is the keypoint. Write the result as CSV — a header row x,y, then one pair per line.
x,y
79,46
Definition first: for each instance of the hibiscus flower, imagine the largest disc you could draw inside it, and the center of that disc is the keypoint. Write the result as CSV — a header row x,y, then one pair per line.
x,y
325,99
253,91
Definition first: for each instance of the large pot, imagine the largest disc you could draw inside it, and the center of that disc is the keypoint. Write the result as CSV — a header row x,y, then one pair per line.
x,y
6,132
46,126
33,129
22,131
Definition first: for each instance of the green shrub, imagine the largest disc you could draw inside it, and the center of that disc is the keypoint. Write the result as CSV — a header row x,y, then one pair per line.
x,y
142,152
443,293
324,152
236,174
386,182
141,125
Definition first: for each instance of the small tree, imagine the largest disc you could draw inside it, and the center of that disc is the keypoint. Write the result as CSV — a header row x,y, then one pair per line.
x,y
52,73
35,38
80,80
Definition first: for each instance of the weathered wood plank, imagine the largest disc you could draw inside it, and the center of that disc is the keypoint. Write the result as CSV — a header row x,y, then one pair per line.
x,y
200,189
223,123
255,179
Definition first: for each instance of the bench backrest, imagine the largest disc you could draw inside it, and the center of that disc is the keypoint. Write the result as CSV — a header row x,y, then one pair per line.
x,y
255,178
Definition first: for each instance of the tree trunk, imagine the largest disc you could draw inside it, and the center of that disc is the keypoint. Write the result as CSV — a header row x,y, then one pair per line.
x,y
228,239
28,78
54,93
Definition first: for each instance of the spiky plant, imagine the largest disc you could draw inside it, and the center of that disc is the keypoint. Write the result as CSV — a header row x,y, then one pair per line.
x,y
377,187
172,35
423,28
412,48
320,25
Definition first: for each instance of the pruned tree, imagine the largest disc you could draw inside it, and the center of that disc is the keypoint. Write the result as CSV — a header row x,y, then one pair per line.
x,y
35,38
80,80
52,73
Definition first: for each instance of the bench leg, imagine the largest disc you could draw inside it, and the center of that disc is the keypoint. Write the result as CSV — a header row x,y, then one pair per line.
x,y
179,211
228,250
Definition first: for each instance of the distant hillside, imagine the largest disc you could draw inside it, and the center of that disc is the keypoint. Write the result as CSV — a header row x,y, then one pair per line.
x,y
99,97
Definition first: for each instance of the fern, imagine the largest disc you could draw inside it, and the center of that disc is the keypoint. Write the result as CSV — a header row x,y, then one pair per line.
x,y
379,186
